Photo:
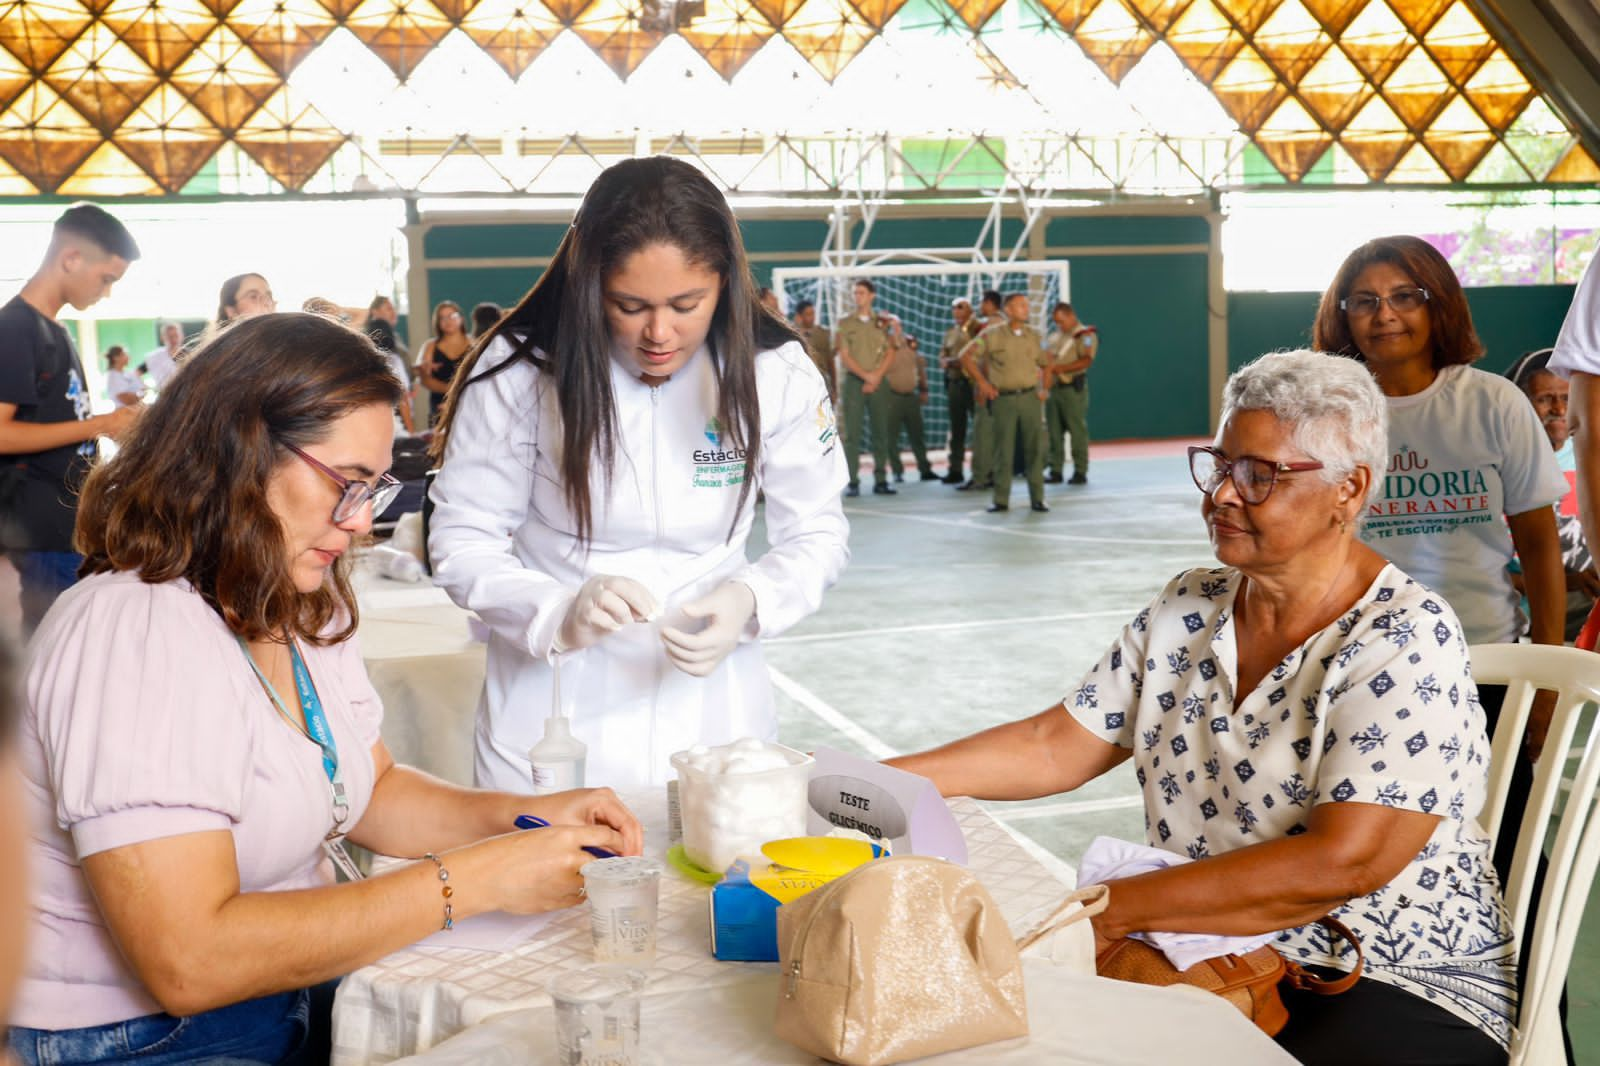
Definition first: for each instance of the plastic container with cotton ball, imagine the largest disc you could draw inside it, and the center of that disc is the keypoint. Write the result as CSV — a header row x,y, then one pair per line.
x,y
735,797
558,759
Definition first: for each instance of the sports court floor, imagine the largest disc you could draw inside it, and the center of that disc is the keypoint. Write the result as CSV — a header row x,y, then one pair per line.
x,y
949,620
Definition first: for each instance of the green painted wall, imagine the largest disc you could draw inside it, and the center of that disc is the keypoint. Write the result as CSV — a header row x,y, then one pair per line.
x,y
468,286
1086,230
1114,292
1261,322
1149,379
1512,319
1150,308
504,240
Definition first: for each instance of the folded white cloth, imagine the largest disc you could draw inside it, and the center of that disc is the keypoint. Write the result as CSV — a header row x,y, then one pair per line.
x,y
1108,859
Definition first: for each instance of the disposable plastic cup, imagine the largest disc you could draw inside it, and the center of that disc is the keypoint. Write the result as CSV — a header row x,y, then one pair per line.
x,y
623,893
597,1016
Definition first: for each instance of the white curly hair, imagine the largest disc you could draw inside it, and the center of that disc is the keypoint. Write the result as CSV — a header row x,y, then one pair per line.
x,y
1334,409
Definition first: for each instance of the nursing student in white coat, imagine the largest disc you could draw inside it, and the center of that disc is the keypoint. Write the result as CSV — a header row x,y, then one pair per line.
x,y
602,452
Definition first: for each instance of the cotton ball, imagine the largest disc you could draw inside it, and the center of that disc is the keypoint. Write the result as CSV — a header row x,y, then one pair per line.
x,y
699,749
748,744
766,760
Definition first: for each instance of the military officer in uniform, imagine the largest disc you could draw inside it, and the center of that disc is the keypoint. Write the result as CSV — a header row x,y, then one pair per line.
x,y
863,349
908,394
1072,347
819,345
957,389
1007,363
989,314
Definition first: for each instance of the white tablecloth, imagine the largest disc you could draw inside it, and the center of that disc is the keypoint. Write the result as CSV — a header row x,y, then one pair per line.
x,y
427,669
416,999
1074,1020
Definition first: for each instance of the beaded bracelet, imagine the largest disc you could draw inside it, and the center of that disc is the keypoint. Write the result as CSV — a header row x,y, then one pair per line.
x,y
444,890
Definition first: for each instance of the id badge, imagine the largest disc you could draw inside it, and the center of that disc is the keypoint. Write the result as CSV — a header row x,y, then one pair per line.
x,y
344,866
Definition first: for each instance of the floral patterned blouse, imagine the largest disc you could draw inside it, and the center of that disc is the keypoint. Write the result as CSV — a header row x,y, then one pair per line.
x,y
1379,707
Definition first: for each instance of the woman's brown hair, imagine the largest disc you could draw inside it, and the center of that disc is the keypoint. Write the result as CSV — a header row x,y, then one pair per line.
x,y
1455,341
186,494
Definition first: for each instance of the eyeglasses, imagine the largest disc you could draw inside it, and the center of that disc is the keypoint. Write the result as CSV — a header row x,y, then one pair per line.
x,y
1366,304
356,493
1253,476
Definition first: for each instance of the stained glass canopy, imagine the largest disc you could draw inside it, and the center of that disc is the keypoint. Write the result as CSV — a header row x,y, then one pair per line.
x,y
137,97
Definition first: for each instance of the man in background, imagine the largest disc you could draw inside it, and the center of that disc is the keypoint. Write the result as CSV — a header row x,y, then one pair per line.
x,y
162,363
819,344
1548,393
1072,346
908,394
863,348
47,433
957,388
1006,363
990,315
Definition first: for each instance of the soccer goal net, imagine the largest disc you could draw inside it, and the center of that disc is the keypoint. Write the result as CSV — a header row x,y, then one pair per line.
x,y
921,294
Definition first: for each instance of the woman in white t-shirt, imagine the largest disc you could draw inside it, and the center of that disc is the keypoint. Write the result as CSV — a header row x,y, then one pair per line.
x,y
125,387
1471,476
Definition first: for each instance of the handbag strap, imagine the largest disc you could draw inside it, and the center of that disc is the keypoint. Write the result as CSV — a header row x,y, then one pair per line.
x,y
1299,978
1094,899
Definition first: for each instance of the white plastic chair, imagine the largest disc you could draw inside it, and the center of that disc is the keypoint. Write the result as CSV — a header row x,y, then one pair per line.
x,y
1575,676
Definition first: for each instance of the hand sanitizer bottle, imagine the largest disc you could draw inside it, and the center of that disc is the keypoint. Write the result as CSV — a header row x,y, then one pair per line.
x,y
559,756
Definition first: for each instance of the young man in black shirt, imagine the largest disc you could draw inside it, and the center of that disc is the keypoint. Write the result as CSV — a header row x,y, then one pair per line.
x,y
47,433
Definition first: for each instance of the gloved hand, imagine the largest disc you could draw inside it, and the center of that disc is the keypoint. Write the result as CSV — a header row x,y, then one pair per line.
x,y
726,609
604,605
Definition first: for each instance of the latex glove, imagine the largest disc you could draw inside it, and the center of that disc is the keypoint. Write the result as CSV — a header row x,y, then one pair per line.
x,y
604,605
726,608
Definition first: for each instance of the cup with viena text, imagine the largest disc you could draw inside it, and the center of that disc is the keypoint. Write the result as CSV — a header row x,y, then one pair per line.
x,y
623,894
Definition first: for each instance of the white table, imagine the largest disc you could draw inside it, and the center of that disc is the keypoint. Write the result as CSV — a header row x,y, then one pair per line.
x,y
427,669
697,1009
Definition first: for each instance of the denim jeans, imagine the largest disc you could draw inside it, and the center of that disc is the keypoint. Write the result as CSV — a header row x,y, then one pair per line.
x,y
257,1032
44,576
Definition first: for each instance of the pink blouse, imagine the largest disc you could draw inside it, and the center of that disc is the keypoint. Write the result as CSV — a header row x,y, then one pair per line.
x,y
143,720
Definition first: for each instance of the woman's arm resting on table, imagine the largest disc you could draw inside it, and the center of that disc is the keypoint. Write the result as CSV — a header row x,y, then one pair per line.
x,y
1347,850
196,942
1038,756
412,812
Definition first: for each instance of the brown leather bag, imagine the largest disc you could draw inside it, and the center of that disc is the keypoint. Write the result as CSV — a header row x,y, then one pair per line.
x,y
1249,981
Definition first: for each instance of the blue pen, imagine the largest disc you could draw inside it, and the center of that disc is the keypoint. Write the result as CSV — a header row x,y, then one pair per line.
x,y
533,821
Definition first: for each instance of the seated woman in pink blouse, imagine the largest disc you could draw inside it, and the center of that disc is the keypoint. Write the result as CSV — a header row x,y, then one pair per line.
x,y
199,736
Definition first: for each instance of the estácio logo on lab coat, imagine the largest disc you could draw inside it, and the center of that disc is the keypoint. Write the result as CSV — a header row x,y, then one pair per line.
x,y
717,467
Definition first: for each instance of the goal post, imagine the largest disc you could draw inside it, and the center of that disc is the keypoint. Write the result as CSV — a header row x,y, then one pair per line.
x,y
921,294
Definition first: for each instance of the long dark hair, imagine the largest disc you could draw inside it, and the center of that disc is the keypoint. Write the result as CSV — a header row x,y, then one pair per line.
x,y
1455,341
186,494
632,205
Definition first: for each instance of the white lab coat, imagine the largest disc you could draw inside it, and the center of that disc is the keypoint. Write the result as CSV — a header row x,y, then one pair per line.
x,y
502,544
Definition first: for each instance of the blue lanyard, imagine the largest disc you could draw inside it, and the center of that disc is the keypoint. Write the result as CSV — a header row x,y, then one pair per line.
x,y
316,727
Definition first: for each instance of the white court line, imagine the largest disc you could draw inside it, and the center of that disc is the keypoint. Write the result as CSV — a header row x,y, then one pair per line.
x,y
1051,810
988,527
940,627
787,685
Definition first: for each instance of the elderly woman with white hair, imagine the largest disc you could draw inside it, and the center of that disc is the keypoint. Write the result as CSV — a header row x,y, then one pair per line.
x,y
1305,729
